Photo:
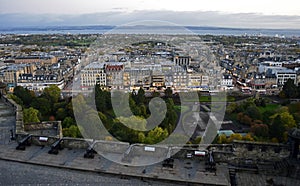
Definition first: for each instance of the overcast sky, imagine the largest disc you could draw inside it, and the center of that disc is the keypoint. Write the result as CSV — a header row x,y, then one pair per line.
x,y
230,13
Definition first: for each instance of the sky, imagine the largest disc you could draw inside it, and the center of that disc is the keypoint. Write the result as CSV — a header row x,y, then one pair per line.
x,y
228,13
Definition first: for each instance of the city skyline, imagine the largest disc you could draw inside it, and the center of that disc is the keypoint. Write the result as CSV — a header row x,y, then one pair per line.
x,y
232,13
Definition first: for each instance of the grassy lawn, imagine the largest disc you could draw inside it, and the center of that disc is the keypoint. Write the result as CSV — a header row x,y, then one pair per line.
x,y
216,98
269,107
179,108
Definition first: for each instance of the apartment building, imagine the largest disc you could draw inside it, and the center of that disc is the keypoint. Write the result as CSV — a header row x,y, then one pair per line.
x,y
114,75
93,74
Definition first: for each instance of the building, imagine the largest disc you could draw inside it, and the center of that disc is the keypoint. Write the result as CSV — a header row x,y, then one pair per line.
x,y
38,83
204,81
93,74
182,60
43,60
11,73
136,77
114,75
194,81
157,80
180,78
282,75
227,81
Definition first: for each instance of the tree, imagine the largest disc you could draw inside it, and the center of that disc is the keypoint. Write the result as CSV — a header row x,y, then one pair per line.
x,y
61,114
231,108
168,92
30,115
156,135
72,131
24,94
16,99
253,112
52,93
260,130
286,118
43,105
133,122
260,102
67,122
290,89
100,99
277,128
248,137
140,97
222,139
103,118
141,137
235,137
244,119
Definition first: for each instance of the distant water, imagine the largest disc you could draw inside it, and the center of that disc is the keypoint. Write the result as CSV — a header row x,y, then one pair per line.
x,y
149,29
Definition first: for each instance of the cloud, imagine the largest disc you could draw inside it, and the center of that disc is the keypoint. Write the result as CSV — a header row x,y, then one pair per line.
x,y
188,18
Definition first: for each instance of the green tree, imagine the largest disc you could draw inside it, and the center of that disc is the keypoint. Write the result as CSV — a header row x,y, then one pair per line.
x,y
103,117
231,108
253,112
100,99
156,135
31,115
24,94
16,99
61,114
168,92
52,93
141,137
43,105
277,128
140,97
133,122
72,131
67,122
290,89
286,118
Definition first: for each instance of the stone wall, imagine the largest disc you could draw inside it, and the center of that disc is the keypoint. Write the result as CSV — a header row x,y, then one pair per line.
x,y
75,143
261,151
19,129
53,126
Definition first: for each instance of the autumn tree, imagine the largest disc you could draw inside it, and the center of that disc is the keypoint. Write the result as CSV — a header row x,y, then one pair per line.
x,y
260,130
235,137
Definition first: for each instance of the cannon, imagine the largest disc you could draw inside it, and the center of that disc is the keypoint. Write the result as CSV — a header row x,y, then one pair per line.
x,y
24,142
169,163
56,146
90,152
210,163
